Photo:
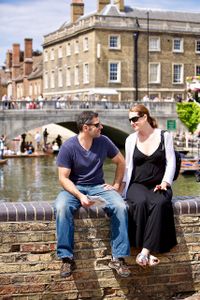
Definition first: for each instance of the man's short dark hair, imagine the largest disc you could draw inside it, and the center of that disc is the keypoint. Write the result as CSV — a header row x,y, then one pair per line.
x,y
85,118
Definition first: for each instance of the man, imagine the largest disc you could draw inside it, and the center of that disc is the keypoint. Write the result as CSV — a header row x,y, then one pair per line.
x,y
38,140
45,135
80,161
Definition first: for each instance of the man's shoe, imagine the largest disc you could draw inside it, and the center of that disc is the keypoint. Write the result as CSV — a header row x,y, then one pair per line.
x,y
68,265
120,266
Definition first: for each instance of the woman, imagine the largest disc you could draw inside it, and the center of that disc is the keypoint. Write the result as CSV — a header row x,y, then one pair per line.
x,y
148,178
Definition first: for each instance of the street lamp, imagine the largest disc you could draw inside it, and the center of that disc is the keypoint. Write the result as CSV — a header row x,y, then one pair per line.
x,y
148,54
135,37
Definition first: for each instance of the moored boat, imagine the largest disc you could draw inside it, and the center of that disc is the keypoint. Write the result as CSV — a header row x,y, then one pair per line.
x,y
190,165
3,161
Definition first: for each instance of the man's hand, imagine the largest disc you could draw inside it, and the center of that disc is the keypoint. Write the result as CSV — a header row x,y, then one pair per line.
x,y
85,202
109,187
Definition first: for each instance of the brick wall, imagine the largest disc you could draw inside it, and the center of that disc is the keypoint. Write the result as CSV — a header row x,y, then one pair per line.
x,y
29,268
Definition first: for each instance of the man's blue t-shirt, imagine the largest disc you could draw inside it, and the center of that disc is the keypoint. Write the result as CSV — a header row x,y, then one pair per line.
x,y
86,165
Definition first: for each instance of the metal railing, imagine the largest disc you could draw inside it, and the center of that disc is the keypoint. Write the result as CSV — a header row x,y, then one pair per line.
x,y
157,107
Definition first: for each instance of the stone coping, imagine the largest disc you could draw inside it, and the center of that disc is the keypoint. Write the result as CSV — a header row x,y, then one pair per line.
x,y
44,211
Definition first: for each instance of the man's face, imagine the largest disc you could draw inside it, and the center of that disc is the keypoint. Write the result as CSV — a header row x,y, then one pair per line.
x,y
94,127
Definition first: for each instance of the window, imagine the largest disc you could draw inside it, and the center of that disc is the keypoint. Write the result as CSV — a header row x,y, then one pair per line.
x,y
76,75
60,54
197,70
177,73
46,80
177,45
45,55
114,71
154,43
154,73
68,76
35,89
114,42
52,79
68,49
31,89
60,78
76,47
85,44
52,54
86,73
198,46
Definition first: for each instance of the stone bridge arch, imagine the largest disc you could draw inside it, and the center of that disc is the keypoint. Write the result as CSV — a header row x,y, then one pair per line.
x,y
14,123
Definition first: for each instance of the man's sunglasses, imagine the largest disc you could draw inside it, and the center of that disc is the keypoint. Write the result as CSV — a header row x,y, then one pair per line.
x,y
97,125
134,119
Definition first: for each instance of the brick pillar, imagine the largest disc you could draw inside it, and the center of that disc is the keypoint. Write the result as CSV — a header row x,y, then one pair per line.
x,y
120,4
102,4
15,67
77,10
28,64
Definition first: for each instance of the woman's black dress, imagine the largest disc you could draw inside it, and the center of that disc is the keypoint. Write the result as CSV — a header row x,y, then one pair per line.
x,y
151,219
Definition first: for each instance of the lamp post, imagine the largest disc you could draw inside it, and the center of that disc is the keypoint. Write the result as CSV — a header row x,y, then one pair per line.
x,y
135,37
148,54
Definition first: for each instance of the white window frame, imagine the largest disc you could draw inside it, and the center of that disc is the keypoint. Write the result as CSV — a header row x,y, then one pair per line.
x,y
60,77
52,55
76,46
85,44
46,80
60,52
181,76
154,44
76,75
35,88
197,67
68,76
180,50
46,55
197,46
86,73
52,80
118,72
158,72
118,42
68,49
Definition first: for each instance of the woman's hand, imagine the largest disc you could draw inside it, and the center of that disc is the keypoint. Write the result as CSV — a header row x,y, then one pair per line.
x,y
162,186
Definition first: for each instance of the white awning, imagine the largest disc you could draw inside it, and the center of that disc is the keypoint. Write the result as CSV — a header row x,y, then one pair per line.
x,y
102,91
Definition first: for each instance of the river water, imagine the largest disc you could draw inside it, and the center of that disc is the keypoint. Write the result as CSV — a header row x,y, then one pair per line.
x,y
36,179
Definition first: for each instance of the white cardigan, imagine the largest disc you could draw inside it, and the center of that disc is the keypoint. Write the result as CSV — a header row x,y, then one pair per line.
x,y
169,154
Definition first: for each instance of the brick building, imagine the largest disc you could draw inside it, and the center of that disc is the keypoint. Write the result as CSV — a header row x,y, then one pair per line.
x,y
134,52
23,71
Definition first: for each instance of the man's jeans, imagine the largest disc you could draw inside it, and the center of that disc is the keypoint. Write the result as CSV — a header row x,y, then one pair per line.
x,y
65,206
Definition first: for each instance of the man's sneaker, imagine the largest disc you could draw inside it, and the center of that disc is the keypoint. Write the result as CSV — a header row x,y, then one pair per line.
x,y
120,266
68,265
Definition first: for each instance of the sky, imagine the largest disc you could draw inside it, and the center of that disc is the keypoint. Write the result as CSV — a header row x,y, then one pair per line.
x,y
20,19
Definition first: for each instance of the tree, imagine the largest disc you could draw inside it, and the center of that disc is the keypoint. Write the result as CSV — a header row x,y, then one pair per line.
x,y
189,114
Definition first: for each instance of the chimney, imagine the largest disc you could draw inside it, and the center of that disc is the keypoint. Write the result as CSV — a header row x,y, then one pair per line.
x,y
28,60
8,59
102,4
120,4
77,10
15,61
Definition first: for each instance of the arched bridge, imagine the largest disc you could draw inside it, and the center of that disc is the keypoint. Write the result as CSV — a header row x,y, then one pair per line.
x,y
14,122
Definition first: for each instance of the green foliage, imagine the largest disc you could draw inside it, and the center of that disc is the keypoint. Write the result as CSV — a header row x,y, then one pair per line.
x,y
189,114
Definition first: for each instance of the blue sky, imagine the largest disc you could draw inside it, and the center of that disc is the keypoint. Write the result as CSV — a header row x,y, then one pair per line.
x,y
21,19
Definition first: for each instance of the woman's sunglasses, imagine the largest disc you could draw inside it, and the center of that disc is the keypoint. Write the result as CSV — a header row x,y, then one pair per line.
x,y
134,119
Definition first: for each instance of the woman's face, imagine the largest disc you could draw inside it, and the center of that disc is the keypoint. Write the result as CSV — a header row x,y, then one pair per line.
x,y
136,121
